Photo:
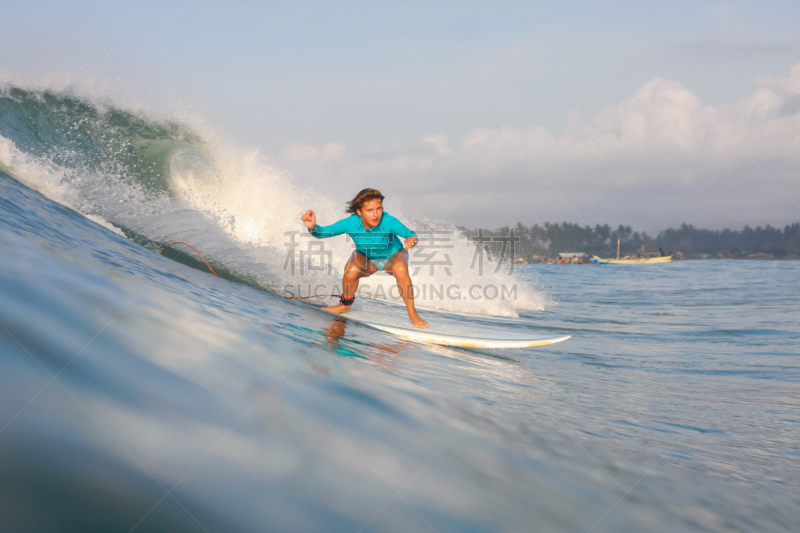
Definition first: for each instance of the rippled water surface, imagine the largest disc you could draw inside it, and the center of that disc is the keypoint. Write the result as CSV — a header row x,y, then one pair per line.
x,y
137,393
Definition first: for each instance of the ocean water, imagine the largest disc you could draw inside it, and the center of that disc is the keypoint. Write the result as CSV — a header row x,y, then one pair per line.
x,y
142,393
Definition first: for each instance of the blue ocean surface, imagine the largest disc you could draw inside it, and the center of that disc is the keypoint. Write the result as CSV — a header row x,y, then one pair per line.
x,y
142,393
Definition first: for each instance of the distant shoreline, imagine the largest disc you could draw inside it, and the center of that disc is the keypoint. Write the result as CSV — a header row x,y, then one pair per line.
x,y
545,242
552,261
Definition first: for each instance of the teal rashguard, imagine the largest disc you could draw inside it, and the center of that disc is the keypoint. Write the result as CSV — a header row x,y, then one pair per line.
x,y
378,243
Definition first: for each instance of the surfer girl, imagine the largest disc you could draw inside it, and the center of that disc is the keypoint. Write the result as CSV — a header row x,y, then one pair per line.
x,y
378,247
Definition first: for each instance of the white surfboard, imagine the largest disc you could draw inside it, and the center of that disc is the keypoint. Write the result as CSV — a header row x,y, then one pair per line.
x,y
449,332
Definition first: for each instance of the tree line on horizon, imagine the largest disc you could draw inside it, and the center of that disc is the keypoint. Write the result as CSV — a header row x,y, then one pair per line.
x,y
549,239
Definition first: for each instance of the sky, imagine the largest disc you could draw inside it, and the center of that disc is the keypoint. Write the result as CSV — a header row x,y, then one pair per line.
x,y
646,113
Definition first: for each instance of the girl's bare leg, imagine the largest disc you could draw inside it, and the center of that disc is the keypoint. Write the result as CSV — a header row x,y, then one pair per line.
x,y
398,267
357,267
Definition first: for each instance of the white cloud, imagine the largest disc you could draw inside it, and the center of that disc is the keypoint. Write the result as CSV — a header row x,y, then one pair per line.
x,y
638,160
661,114
304,152
333,151
440,141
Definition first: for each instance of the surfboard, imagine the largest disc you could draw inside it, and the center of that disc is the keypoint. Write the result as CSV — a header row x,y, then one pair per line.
x,y
446,331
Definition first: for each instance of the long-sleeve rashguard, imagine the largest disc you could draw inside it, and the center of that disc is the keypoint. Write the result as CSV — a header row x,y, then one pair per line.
x,y
380,242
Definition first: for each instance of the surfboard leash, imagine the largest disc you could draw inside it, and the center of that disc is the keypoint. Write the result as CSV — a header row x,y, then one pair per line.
x,y
342,299
312,296
193,248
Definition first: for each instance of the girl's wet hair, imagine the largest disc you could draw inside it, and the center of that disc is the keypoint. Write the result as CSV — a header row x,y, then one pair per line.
x,y
363,197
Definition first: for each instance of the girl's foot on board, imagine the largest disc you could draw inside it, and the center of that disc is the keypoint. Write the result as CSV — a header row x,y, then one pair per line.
x,y
421,324
338,308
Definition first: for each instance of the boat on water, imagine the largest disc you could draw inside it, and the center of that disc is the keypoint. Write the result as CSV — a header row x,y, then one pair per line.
x,y
648,254
631,261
